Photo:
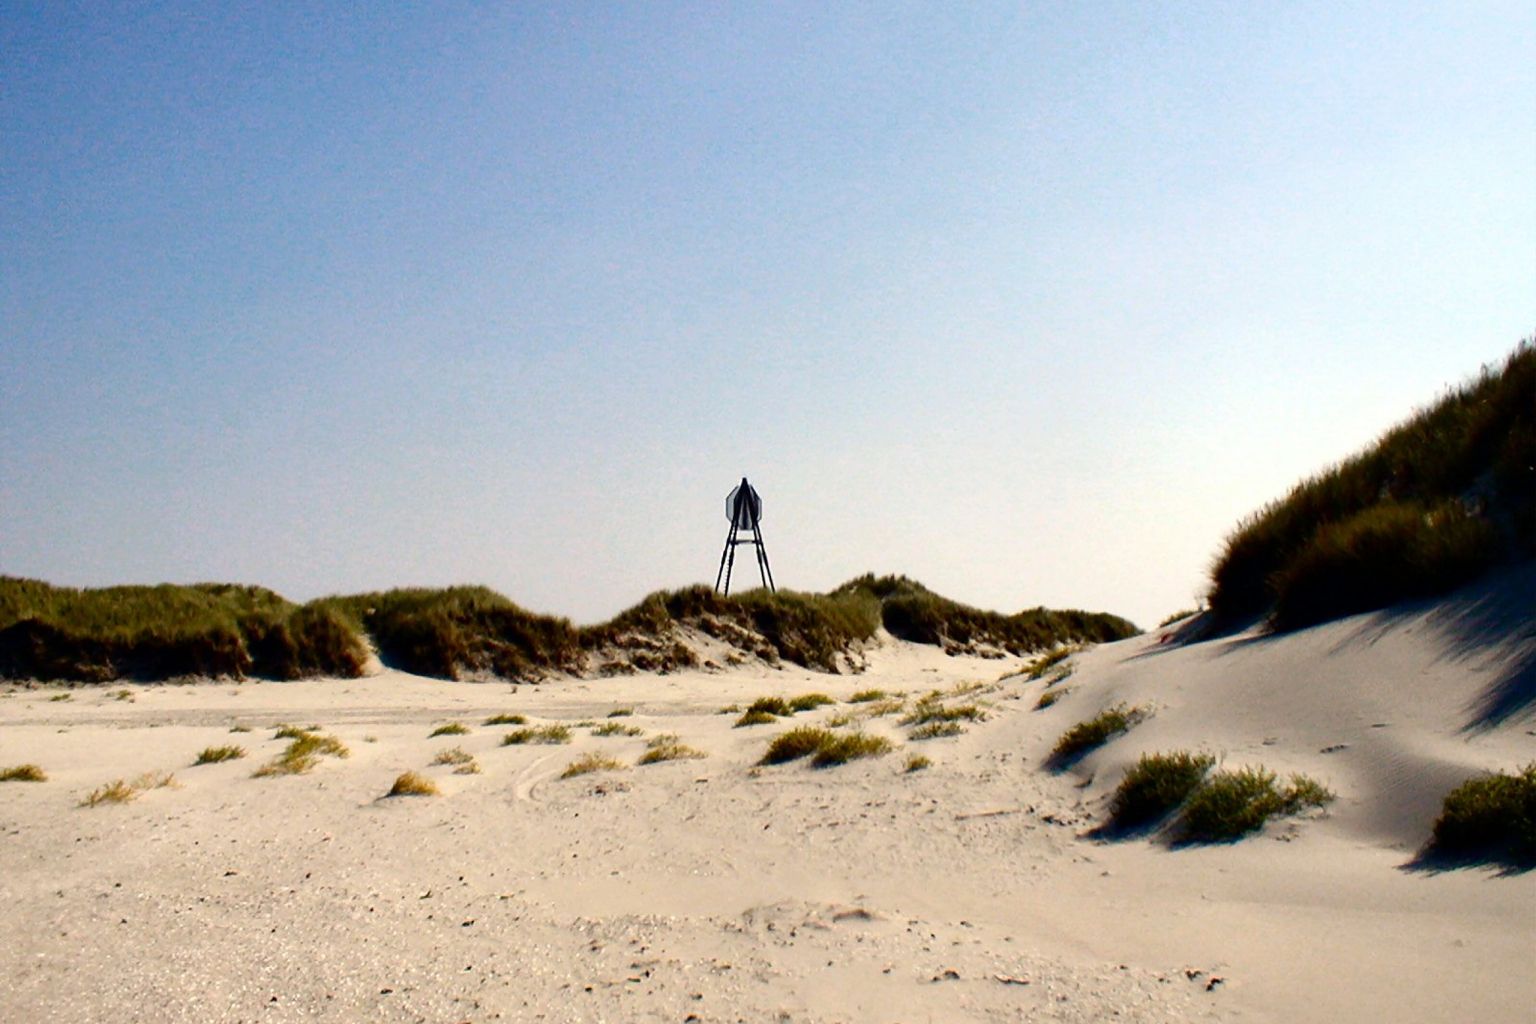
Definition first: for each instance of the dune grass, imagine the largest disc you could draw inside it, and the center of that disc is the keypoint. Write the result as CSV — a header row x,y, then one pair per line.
x,y
938,729
1489,818
217,755
1431,504
451,729
506,719
867,696
1155,787
589,763
1050,697
617,729
918,762
823,746
1231,804
453,755
413,784
1085,736
927,711
23,773
1043,664
668,747
754,717
121,791
550,734
302,754
809,702
103,634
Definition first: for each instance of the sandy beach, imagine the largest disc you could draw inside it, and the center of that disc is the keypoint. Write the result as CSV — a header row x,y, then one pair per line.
x,y
719,889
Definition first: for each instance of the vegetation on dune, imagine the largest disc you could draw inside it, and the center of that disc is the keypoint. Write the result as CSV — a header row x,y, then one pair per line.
x,y
217,755
304,750
589,763
823,746
450,729
548,734
506,720
412,784
159,632
1492,818
23,773
453,755
1231,804
918,762
912,612
616,729
120,791
668,747
1433,503
1155,787
1093,733
936,730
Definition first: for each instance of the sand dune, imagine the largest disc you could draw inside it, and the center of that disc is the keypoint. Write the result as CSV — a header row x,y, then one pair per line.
x,y
720,890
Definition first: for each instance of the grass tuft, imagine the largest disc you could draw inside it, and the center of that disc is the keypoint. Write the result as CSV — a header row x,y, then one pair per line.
x,y
215,755
1155,787
1492,817
668,747
302,754
936,730
506,720
928,711
918,762
1231,804
23,773
867,696
1050,697
412,784
537,734
1095,732
588,763
754,716
621,712
453,755
809,702
617,729
1043,664
451,729
118,791
824,746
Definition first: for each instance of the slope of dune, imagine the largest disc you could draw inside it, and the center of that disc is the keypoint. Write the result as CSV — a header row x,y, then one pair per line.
x,y
721,889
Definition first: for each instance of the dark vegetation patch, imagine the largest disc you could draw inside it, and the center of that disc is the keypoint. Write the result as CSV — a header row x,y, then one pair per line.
x,y
1489,818
824,746
1155,787
1231,804
23,773
161,632
1433,503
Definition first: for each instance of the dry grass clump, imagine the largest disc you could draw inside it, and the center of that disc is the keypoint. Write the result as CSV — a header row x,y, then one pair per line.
x,y
1039,666
451,729
588,763
931,711
772,706
887,706
668,747
216,755
239,728
1492,817
1231,804
537,734
412,784
936,730
293,732
754,716
824,746
23,773
918,762
506,720
809,702
867,696
1097,731
453,755
1050,697
1155,787
617,729
302,754
621,712
119,791
61,696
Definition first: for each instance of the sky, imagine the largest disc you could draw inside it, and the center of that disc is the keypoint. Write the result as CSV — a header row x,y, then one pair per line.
x,y
1030,302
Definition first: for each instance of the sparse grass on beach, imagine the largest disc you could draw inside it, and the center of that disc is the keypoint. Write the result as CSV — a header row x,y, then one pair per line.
x,y
412,784
453,755
617,729
927,711
1155,787
1095,732
537,734
621,712
293,732
867,696
936,730
506,719
1050,697
754,716
589,763
121,791
302,754
215,755
1231,804
668,747
809,702
918,762
1039,666
1491,817
824,746
23,773
61,696
451,729
239,728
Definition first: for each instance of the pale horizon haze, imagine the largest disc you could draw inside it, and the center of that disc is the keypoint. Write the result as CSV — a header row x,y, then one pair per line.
x,y
1029,302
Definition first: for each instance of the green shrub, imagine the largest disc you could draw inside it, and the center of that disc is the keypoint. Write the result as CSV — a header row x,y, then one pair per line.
x,y
1155,787
215,755
412,784
668,747
538,734
1095,732
23,773
1231,804
1492,817
451,729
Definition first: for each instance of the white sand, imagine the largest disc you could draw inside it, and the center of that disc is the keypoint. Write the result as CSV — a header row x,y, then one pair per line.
x,y
718,891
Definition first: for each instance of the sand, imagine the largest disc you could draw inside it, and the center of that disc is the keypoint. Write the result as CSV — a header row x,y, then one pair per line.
x,y
719,890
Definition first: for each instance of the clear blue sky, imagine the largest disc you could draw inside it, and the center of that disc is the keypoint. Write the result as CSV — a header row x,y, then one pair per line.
x,y
1031,302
